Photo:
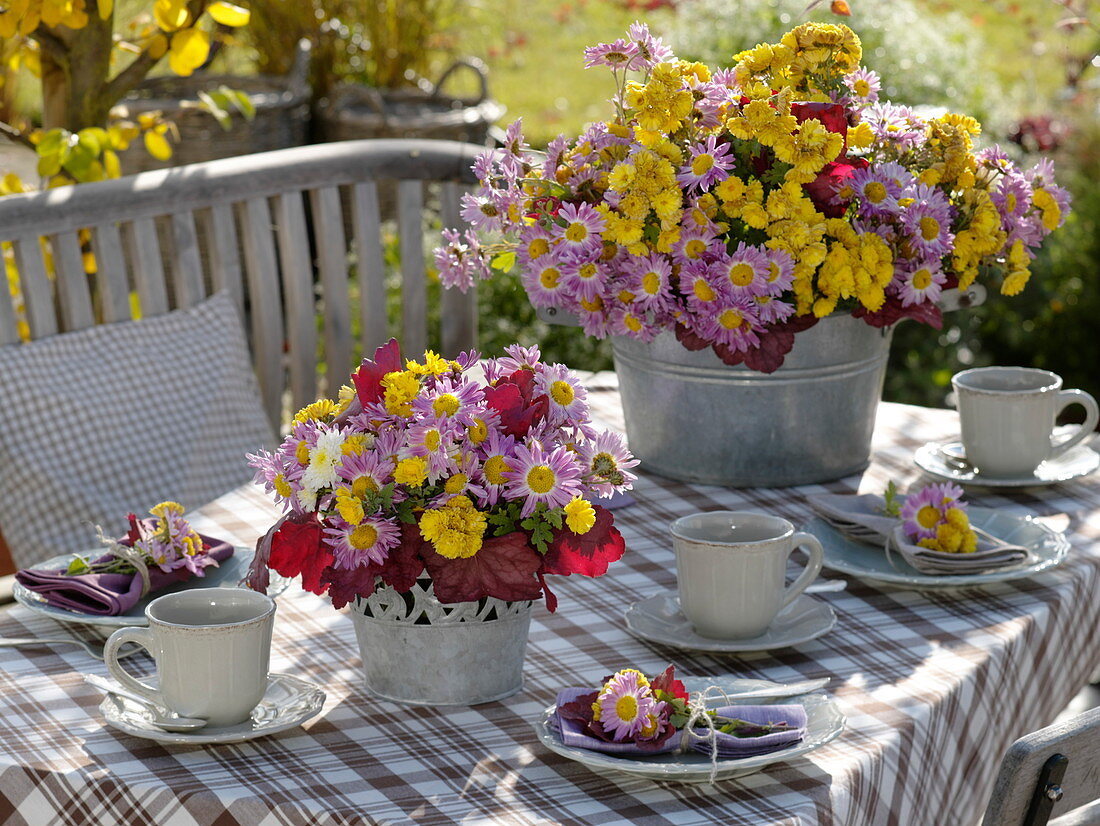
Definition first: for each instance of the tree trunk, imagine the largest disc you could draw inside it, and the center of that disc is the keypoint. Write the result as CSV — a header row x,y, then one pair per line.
x,y
74,85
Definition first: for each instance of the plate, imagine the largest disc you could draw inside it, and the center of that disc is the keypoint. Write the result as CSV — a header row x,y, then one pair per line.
x,y
659,619
229,572
824,723
1048,547
1074,463
288,702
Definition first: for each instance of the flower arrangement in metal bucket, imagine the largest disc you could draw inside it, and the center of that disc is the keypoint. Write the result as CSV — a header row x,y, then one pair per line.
x,y
484,485
737,207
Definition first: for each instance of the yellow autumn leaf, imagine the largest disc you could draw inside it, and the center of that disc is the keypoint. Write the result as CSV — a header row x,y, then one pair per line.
x,y
171,15
157,46
32,62
111,164
229,15
105,8
10,184
189,50
9,25
158,146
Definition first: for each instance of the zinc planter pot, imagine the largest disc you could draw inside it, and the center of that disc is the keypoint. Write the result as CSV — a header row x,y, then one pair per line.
x,y
690,416
419,651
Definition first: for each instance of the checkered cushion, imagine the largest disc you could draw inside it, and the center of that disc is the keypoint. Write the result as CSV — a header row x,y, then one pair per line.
x,y
115,418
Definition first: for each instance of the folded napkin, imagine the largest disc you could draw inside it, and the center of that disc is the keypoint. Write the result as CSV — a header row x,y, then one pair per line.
x,y
861,518
108,595
729,747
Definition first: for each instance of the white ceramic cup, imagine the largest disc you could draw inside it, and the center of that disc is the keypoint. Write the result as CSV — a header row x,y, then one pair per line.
x,y
211,646
731,569
1007,415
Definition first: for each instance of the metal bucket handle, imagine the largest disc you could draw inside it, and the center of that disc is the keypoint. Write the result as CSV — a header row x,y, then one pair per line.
x,y
475,65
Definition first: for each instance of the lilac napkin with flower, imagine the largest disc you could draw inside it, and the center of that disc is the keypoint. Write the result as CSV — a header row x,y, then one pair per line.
x,y
729,746
108,595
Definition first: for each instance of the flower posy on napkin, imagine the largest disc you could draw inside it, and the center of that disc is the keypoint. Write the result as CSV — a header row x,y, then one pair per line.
x,y
930,528
633,715
154,554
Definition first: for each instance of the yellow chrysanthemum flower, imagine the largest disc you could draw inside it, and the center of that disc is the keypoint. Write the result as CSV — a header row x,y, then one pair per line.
x,y
580,516
456,530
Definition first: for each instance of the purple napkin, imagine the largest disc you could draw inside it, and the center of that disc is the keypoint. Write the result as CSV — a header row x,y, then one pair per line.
x,y
729,747
108,595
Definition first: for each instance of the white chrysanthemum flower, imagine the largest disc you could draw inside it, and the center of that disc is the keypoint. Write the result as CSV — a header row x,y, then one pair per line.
x,y
321,471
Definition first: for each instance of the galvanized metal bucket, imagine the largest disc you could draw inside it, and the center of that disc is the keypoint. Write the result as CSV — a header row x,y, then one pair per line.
x,y
689,416
419,651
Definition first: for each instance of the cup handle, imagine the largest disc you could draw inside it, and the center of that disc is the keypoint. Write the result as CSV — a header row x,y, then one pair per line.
x,y
144,638
808,543
1092,415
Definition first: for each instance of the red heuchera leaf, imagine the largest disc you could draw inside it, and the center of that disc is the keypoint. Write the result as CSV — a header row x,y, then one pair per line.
x,y
551,597
259,575
368,378
689,339
892,312
832,116
668,683
580,711
297,548
514,398
588,554
822,190
405,562
775,342
504,568
344,586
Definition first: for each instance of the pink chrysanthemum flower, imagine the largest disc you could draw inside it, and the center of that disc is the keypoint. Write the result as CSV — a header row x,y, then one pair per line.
x,y
366,472
770,309
928,221
649,280
624,705
369,541
863,85
780,272
708,163
744,271
496,460
583,276
484,211
701,284
920,281
651,50
617,55
550,477
518,357
568,398
732,322
628,320
456,399
925,510
695,243
460,260
607,462
582,229
876,191
544,283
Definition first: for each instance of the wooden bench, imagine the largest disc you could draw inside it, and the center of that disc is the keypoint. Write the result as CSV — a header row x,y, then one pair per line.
x,y
287,233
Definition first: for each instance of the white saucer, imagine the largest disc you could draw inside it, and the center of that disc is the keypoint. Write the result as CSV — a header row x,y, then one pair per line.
x,y
288,702
659,619
1076,462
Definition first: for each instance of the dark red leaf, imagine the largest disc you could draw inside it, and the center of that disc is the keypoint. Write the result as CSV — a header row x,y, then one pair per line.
x,y
344,586
832,116
668,683
504,568
551,597
405,562
297,548
368,378
588,554
259,575
824,188
892,312
690,340
514,398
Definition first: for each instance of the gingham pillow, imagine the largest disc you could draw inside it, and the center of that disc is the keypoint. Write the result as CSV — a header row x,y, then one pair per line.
x,y
100,422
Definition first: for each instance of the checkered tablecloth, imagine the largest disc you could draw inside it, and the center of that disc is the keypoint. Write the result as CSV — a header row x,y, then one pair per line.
x,y
935,685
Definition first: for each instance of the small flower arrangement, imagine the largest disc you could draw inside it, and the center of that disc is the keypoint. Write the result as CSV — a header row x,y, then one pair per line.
x,y
647,713
485,485
165,541
935,518
736,207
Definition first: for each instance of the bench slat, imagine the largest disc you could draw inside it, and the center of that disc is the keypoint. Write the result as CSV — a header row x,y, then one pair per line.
x,y
37,292
225,261
414,287
73,295
290,221
458,311
369,263
332,256
9,327
267,319
188,285
147,262
114,289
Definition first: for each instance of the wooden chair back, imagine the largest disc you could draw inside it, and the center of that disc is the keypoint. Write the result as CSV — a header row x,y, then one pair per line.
x,y
1053,772
290,234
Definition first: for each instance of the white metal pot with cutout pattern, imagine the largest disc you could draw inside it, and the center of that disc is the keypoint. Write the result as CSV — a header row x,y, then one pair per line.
x,y
420,651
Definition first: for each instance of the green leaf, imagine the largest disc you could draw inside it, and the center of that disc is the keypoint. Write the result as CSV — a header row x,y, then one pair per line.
x,y
209,104
78,566
892,506
240,101
504,262
554,517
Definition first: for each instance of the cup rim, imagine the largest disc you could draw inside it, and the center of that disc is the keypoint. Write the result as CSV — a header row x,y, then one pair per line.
x,y
788,528
959,381
268,611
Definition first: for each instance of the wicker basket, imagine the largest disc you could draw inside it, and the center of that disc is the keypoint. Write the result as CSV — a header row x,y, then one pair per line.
x,y
354,112
281,121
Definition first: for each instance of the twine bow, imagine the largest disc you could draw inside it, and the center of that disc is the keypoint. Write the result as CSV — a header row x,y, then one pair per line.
x,y
698,713
128,554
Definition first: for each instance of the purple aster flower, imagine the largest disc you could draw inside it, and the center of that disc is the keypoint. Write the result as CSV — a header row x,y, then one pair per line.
x,y
484,211
863,86
771,310
617,55
461,261
927,220
583,276
518,357
732,322
744,272
607,462
366,472
369,541
579,229
551,478
876,192
896,125
554,152
651,50
780,272
695,243
925,510
649,279
702,284
568,398
919,281
628,320
708,163
543,283
626,706
454,398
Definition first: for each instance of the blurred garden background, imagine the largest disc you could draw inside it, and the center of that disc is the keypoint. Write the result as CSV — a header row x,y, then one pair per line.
x,y
1029,70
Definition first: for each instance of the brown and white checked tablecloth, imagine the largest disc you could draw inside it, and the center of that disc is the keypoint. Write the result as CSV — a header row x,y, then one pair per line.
x,y
935,685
